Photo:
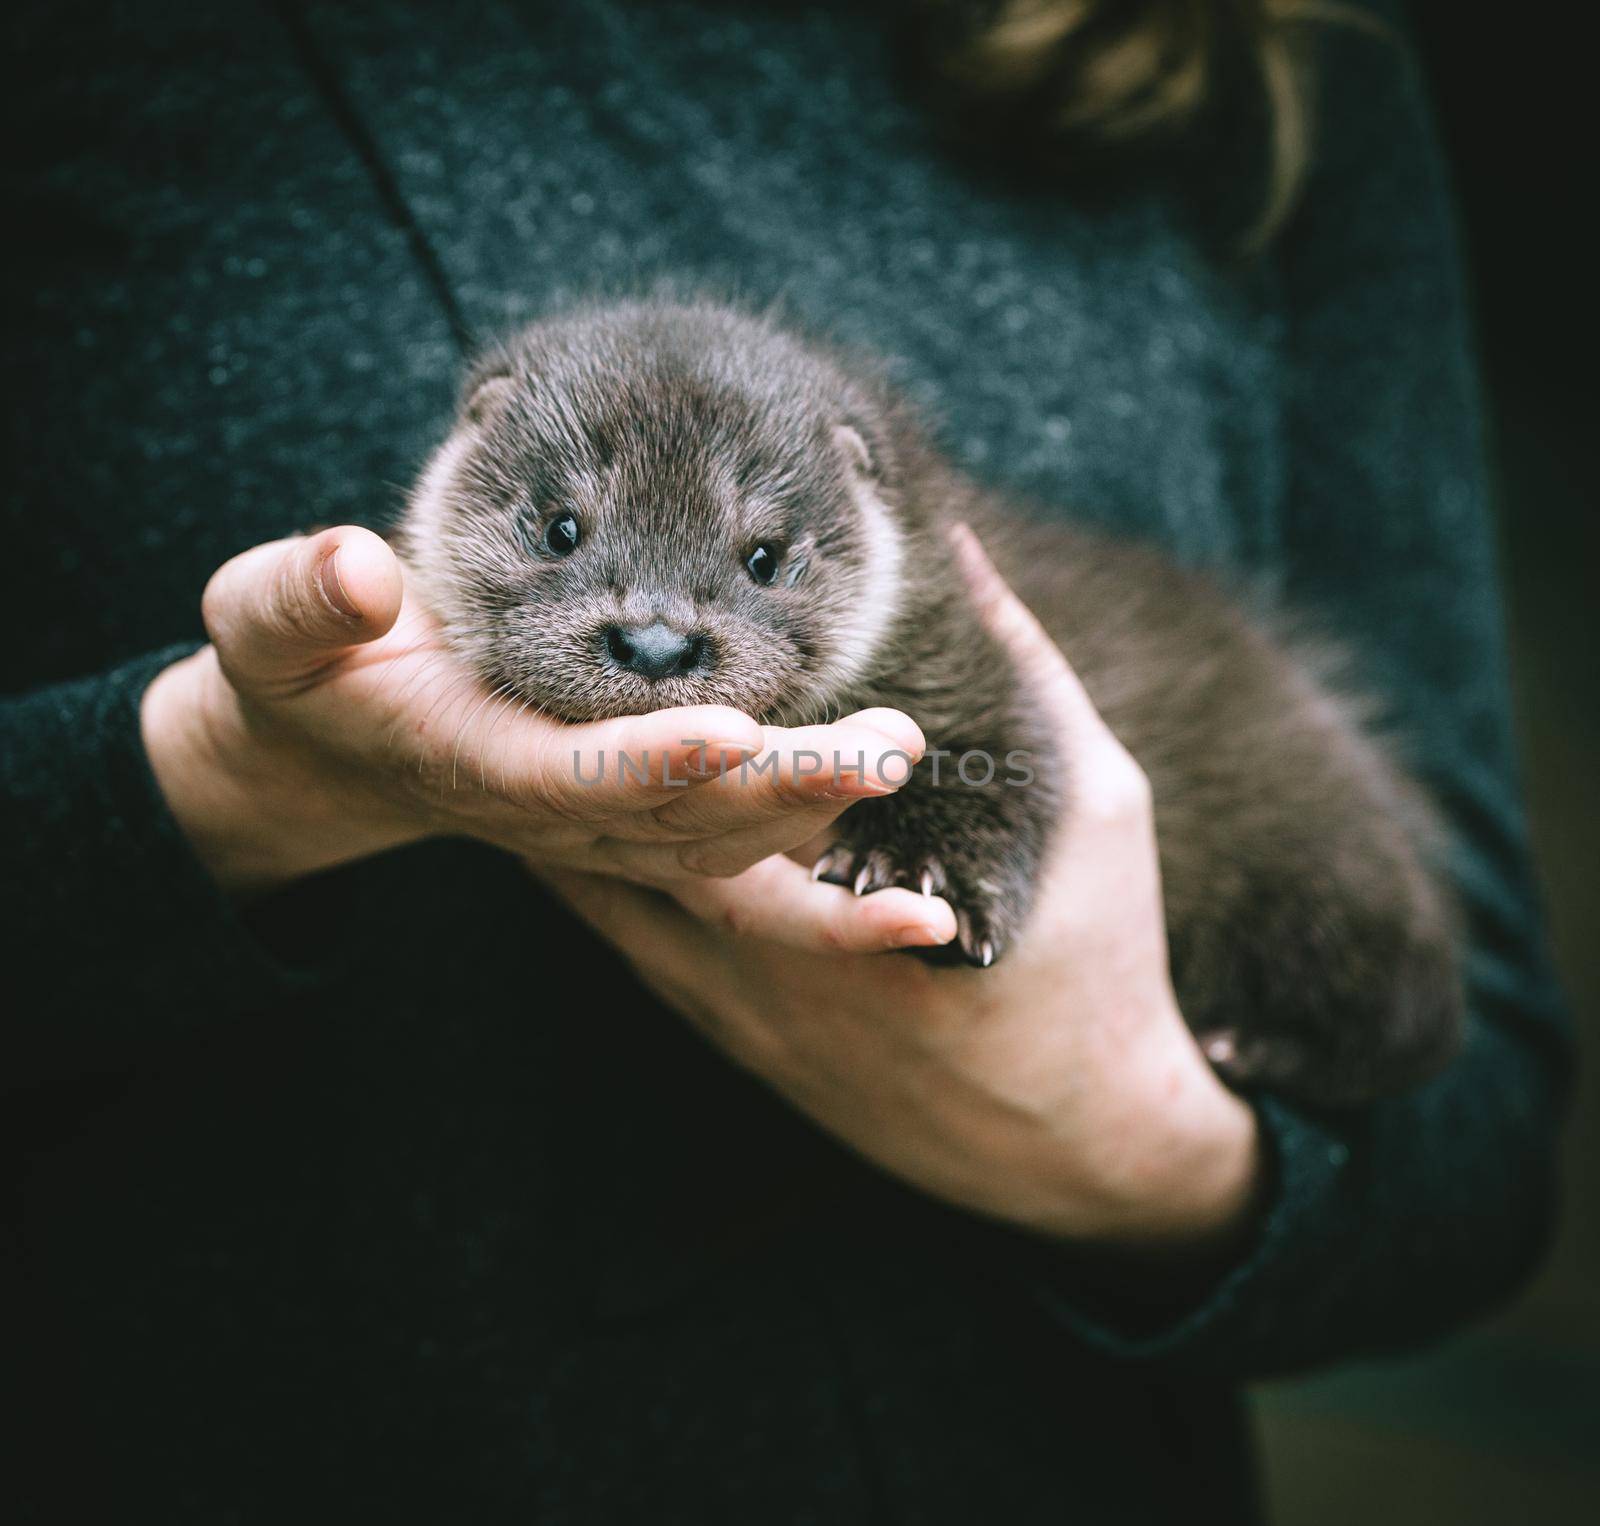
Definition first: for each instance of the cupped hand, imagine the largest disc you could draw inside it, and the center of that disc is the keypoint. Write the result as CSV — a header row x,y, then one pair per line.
x,y
327,721
1060,1090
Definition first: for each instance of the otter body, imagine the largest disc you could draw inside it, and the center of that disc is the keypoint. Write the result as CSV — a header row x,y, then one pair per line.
x,y
658,504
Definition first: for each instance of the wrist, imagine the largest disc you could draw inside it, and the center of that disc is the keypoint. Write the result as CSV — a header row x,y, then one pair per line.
x,y
1173,1164
1191,1179
257,815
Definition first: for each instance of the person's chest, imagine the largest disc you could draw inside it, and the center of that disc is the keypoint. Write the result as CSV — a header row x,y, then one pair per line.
x,y
258,335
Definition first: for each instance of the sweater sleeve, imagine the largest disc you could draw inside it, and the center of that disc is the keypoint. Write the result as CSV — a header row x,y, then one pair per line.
x,y
1390,1226
114,926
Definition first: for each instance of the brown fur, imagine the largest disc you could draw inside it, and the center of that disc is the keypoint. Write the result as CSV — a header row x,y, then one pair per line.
x,y
1311,943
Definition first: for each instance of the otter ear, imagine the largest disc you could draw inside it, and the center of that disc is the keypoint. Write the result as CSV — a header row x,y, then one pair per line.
x,y
854,449
487,390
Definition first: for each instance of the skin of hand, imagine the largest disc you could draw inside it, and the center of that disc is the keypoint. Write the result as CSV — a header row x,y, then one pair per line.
x,y
326,722
1059,1091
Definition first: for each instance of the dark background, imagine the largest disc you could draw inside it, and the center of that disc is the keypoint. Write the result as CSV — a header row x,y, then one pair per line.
x,y
1503,1424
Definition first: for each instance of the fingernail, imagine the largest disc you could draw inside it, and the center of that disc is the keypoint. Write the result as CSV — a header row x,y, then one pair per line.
x,y
909,741
853,787
717,758
890,771
918,936
333,589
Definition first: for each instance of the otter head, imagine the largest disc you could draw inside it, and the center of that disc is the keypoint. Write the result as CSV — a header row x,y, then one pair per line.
x,y
647,505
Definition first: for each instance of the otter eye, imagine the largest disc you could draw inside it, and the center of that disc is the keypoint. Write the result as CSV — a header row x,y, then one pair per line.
x,y
561,536
762,564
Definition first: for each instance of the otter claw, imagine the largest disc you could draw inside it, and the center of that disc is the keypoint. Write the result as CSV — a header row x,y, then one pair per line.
x,y
980,946
829,862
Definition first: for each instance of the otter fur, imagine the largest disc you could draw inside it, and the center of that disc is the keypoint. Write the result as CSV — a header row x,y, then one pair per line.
x,y
659,503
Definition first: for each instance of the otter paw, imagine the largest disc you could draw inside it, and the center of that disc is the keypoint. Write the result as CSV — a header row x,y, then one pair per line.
x,y
983,926
863,870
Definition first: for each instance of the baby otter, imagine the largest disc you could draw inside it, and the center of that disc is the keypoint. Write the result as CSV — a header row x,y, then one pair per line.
x,y
656,504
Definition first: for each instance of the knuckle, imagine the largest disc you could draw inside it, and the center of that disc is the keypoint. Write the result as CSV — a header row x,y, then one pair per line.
x,y
653,826
644,827
554,784
774,790
228,603
693,857
707,860
791,786
792,789
626,860
1123,794
1133,789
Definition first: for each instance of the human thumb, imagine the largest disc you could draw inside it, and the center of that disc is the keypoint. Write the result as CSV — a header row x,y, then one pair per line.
x,y
279,612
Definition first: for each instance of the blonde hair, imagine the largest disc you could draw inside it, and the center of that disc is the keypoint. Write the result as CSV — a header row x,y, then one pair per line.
x,y
1089,76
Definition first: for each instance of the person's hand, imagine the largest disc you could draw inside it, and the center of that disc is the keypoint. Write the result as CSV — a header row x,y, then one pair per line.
x,y
327,721
1060,1090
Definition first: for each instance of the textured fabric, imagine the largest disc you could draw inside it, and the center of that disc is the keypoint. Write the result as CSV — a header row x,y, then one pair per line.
x,y
394,1198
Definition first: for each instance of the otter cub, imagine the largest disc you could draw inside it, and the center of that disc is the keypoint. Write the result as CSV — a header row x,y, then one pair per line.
x,y
655,504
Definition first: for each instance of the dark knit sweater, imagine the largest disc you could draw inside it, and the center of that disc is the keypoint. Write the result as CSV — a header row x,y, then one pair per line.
x,y
394,1198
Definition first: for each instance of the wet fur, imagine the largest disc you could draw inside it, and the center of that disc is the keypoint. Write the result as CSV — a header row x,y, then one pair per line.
x,y
1312,945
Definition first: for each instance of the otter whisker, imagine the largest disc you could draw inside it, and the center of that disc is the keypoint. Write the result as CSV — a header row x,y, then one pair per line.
x,y
461,732
507,695
447,699
397,703
521,710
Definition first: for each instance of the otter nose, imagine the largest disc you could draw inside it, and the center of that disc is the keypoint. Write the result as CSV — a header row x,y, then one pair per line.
x,y
656,650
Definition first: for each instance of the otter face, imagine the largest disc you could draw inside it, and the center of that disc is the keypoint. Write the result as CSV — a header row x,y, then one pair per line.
x,y
650,507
